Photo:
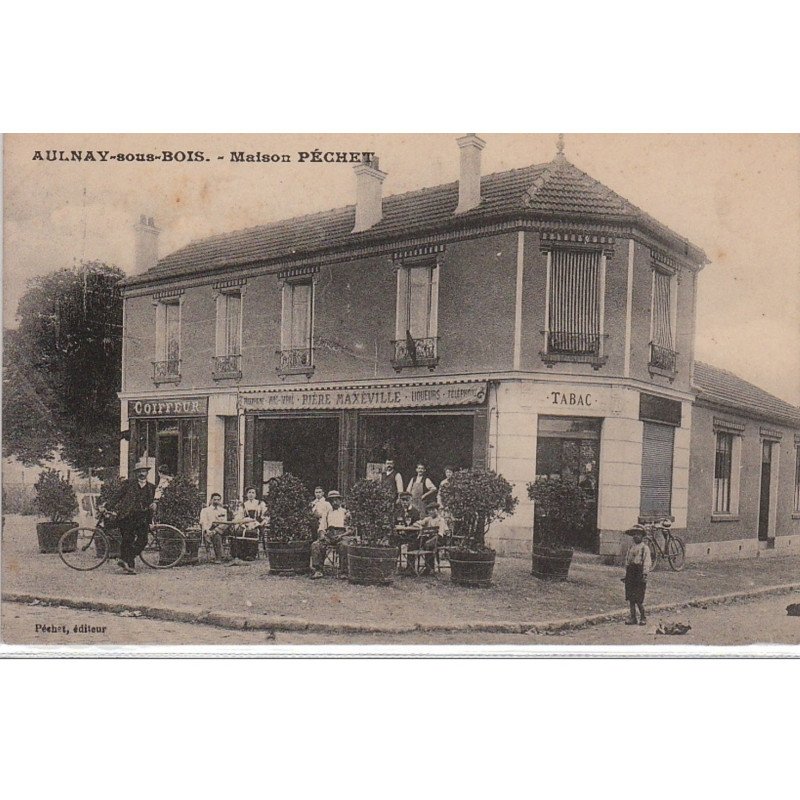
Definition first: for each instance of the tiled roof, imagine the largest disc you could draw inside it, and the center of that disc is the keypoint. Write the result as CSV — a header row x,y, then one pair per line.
x,y
555,189
720,386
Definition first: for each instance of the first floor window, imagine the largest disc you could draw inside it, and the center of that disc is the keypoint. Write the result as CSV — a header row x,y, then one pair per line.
x,y
797,479
417,295
229,316
723,463
297,326
573,303
657,450
168,339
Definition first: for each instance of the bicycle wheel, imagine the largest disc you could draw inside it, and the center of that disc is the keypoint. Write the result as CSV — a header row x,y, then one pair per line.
x,y
655,553
84,548
676,553
165,548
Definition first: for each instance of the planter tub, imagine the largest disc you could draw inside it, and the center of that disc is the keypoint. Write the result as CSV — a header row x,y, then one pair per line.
x,y
48,534
550,564
471,569
292,558
191,557
371,565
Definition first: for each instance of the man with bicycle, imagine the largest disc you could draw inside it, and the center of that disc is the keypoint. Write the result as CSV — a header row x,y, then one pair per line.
x,y
134,512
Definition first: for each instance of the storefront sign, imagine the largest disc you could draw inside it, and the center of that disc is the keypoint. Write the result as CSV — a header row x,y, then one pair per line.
x,y
461,394
572,399
179,407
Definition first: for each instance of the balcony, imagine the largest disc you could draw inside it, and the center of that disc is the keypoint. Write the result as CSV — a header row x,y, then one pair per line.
x,y
296,361
569,346
663,361
416,353
167,371
226,367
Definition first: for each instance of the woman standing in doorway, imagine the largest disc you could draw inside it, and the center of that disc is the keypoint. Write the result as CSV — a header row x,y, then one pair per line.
x,y
421,488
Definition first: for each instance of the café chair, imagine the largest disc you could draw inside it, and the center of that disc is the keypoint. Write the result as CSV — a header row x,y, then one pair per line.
x,y
415,557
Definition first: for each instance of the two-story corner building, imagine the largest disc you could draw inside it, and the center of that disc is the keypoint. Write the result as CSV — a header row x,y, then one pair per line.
x,y
530,321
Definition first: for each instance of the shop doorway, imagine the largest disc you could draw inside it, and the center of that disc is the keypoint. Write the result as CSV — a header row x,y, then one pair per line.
x,y
306,447
435,440
764,501
569,448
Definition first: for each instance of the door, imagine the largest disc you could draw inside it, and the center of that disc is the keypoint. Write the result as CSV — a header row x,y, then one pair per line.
x,y
763,505
569,448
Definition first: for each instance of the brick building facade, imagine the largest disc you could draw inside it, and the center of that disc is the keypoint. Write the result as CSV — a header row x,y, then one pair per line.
x,y
530,321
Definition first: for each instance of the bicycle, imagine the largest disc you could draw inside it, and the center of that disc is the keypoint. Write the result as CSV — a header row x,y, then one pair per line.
x,y
674,550
86,548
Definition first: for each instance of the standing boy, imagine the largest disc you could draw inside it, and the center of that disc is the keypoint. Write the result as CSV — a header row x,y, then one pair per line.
x,y
637,566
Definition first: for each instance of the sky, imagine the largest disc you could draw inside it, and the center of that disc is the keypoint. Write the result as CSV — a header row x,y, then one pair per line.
x,y
735,196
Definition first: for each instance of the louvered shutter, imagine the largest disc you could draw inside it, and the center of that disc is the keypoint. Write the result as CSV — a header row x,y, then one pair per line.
x,y
657,449
480,438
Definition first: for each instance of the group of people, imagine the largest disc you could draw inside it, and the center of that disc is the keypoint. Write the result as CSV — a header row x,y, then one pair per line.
x,y
244,523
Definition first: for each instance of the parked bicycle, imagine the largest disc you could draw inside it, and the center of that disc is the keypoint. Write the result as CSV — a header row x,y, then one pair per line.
x,y
673,550
87,548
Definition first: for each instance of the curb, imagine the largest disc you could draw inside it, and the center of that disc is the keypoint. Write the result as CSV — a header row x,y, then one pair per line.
x,y
232,621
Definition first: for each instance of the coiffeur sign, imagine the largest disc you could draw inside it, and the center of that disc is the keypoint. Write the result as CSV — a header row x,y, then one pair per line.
x,y
457,394
177,407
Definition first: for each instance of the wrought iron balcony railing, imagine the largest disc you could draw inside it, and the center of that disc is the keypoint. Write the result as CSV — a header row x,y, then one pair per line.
x,y
296,361
229,366
167,371
574,346
410,352
663,358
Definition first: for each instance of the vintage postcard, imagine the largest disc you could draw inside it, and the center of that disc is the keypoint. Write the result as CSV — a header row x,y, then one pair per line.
x,y
528,391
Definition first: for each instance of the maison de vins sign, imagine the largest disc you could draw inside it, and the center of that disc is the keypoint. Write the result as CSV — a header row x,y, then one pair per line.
x,y
462,394
177,407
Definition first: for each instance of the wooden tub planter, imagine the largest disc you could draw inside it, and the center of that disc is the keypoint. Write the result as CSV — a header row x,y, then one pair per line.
x,y
471,568
371,565
289,558
49,534
551,563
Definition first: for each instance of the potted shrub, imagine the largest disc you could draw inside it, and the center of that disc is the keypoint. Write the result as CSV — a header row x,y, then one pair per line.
x,y
561,507
179,506
291,526
371,559
55,500
474,499
109,496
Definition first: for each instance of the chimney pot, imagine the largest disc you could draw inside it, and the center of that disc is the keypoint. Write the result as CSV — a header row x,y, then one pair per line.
x,y
469,184
369,195
146,249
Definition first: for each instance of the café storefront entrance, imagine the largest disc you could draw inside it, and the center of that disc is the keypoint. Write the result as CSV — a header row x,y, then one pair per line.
x,y
333,437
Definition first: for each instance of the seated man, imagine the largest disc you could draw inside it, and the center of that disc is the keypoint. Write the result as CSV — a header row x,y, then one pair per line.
x,y
210,517
405,516
433,534
333,534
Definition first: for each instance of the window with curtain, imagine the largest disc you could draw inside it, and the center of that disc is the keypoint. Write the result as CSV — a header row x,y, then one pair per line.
x,y
172,326
297,326
574,303
723,471
231,311
416,302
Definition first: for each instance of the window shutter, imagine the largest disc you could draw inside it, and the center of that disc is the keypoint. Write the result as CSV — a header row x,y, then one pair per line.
x,y
657,450
219,345
480,438
249,451
574,316
662,310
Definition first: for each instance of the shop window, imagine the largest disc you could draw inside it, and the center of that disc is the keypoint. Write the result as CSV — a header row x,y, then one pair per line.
x,y
167,363
297,328
657,451
663,358
574,310
227,361
416,320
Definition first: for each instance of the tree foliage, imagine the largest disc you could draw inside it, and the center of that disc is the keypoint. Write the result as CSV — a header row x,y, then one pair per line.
x,y
290,515
561,508
371,507
63,367
474,499
55,497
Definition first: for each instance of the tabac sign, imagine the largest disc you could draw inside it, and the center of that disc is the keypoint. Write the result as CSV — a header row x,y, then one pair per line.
x,y
457,394
165,407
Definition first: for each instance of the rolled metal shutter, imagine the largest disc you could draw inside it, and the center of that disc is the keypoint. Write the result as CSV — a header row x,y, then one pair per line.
x,y
657,450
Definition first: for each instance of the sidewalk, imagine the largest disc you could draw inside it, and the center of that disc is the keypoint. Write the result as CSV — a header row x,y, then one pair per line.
x,y
247,596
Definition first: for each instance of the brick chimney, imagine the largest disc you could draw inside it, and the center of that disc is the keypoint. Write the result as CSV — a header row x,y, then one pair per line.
x,y
469,184
146,245
369,191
